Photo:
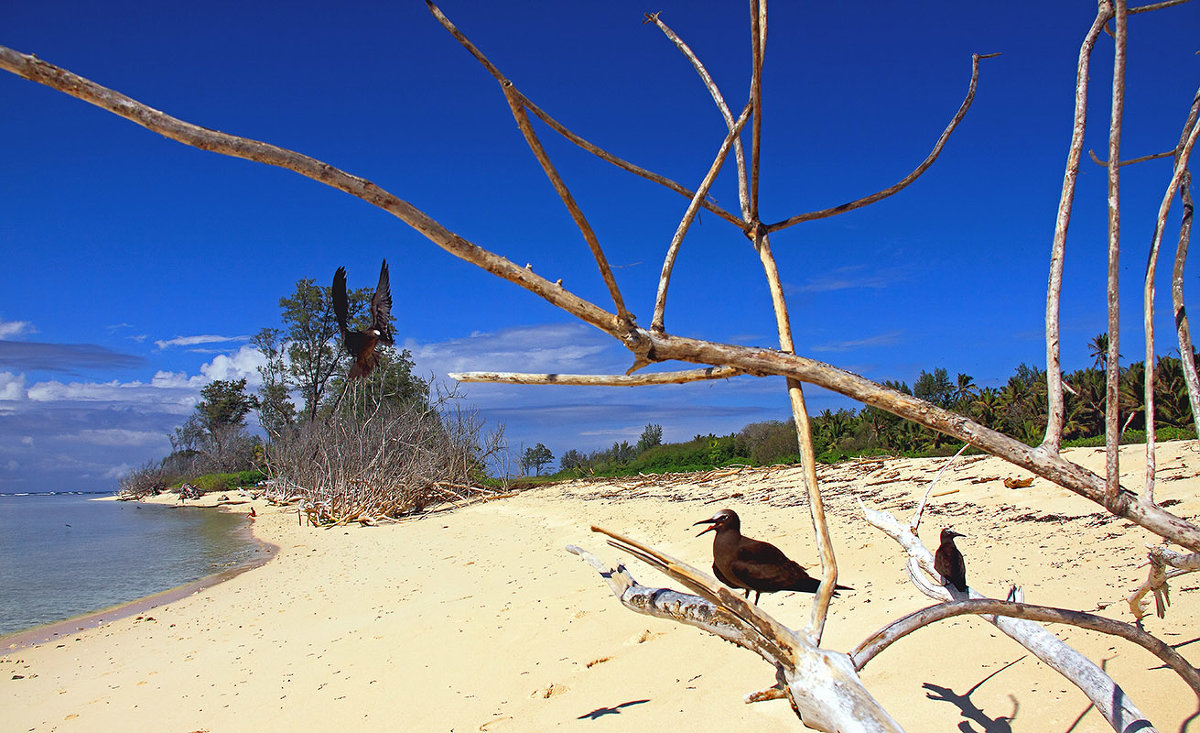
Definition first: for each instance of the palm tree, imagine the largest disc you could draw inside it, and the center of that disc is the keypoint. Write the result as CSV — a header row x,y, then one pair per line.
x,y
964,388
1098,347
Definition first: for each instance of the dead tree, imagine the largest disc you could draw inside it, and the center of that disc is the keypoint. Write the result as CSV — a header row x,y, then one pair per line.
x,y
821,684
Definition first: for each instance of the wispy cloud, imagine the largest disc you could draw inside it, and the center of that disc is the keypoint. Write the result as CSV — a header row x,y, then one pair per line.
x,y
543,349
883,339
68,358
850,278
194,340
9,329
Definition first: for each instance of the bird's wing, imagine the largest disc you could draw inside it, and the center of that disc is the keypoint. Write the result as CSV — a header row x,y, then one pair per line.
x,y
764,565
381,306
341,306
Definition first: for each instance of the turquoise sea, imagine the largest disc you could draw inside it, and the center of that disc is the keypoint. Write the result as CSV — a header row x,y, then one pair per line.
x,y
65,554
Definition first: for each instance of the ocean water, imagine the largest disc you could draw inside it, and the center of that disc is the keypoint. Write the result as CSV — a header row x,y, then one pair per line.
x,y
62,555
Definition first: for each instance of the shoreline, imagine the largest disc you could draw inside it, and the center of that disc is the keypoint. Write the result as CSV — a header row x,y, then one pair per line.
x,y
55,630
478,618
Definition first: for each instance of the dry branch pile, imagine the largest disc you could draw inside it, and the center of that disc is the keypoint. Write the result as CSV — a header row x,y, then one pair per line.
x,y
397,459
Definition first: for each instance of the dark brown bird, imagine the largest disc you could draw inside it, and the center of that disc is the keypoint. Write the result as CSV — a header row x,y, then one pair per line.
x,y
750,565
361,344
949,563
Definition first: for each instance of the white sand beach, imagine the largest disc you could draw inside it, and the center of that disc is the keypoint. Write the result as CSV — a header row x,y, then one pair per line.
x,y
476,618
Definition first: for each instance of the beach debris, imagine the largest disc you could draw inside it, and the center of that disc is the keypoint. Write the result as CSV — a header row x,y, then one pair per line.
x,y
1018,483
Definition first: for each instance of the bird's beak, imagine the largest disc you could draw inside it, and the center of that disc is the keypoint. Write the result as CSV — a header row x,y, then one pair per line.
x,y
957,534
711,528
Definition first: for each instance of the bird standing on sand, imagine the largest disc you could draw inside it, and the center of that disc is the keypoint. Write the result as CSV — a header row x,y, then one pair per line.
x,y
750,565
949,563
361,344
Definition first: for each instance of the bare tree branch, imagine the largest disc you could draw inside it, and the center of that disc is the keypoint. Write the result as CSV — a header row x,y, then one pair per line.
x,y
1108,697
1112,435
903,183
711,86
1182,157
1160,557
1157,6
821,684
660,303
880,640
1054,385
562,130
758,46
600,380
560,187
1096,159
1182,329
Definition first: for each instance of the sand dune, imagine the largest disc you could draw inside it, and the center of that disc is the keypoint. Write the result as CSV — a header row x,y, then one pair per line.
x,y
477,619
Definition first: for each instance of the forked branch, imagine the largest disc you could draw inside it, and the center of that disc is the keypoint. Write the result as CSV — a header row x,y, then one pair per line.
x,y
885,637
904,182
1108,697
821,684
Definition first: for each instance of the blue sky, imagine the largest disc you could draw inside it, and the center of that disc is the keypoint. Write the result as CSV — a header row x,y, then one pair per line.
x,y
136,268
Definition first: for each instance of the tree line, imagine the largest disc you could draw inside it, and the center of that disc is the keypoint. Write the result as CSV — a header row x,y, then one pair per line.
x,y
1017,408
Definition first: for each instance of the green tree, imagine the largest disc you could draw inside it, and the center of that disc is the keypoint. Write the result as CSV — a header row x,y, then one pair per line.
x,y
225,404
572,459
536,457
276,412
935,387
651,437
310,328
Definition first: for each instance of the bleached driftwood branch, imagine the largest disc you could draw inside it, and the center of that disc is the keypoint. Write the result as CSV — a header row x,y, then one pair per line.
x,y
604,380
1160,557
880,640
1108,697
1056,406
821,684
1182,157
907,180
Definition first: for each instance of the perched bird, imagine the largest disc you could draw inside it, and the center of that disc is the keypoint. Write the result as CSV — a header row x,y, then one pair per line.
x,y
949,563
746,564
361,344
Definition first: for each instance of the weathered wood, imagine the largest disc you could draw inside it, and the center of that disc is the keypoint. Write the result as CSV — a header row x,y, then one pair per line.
x,y
605,380
1108,697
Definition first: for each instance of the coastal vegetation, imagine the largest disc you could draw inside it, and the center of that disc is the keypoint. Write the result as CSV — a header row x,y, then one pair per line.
x,y
1018,407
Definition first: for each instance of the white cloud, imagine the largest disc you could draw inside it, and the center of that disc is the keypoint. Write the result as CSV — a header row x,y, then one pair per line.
x,y
883,339
27,440
851,277
117,472
244,363
551,348
12,386
8,329
193,340
119,437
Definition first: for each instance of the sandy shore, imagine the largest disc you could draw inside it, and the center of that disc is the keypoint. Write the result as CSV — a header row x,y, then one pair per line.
x,y
477,619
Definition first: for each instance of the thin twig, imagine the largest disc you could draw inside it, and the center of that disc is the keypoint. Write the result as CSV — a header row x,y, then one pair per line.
x,y
1096,159
562,130
903,183
516,104
660,301
711,86
915,522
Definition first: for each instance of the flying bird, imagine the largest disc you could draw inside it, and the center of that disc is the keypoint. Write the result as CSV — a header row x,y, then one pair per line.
x,y
361,344
750,565
949,563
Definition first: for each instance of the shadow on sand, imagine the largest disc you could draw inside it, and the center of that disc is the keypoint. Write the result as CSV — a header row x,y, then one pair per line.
x,y
601,712
974,716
